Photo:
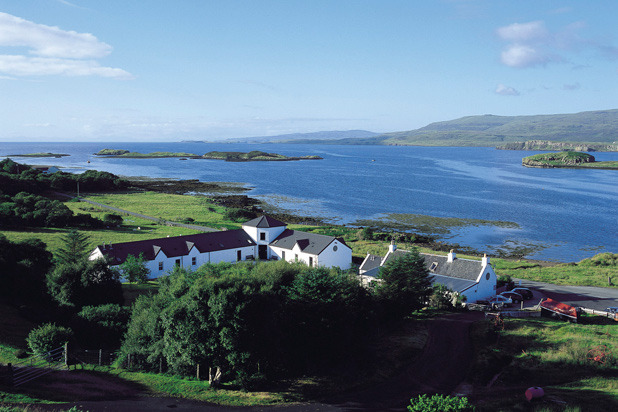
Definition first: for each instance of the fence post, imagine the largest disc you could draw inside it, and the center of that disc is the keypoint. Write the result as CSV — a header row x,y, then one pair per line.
x,y
198,372
100,355
160,365
66,354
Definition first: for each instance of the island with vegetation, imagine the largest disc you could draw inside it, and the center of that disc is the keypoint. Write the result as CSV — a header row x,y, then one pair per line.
x,y
254,156
137,155
567,159
47,154
562,146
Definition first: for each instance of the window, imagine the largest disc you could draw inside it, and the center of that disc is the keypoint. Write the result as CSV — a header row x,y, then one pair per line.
x,y
487,276
262,235
283,255
239,255
177,262
335,248
433,266
310,261
296,257
193,261
160,265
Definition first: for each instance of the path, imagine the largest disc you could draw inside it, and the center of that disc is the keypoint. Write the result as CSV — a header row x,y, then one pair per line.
x,y
128,212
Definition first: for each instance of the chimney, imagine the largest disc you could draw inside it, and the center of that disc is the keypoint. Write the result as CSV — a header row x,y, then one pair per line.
x,y
392,247
485,260
451,256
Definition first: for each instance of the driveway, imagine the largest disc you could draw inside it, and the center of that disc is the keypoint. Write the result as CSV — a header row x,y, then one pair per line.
x,y
590,297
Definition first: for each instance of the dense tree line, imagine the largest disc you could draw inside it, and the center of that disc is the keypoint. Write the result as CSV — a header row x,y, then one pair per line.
x,y
16,177
262,320
22,203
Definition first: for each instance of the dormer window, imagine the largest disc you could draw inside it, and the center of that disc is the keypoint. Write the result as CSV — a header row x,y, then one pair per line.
x,y
433,266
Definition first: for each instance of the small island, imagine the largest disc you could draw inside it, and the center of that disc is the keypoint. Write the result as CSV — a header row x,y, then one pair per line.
x,y
562,146
137,155
57,155
254,156
567,159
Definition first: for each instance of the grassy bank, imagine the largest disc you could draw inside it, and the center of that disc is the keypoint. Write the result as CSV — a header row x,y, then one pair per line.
x,y
554,355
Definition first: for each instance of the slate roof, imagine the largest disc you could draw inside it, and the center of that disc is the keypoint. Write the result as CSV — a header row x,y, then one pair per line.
x,y
459,268
454,284
311,243
264,221
370,263
178,245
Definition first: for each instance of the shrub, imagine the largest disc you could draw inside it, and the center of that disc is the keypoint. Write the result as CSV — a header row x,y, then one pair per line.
x,y
237,214
47,337
505,280
444,403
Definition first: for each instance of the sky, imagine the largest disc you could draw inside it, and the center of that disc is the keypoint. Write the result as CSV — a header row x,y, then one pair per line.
x,y
171,70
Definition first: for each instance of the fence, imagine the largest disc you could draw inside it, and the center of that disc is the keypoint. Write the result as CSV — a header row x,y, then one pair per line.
x,y
37,366
100,357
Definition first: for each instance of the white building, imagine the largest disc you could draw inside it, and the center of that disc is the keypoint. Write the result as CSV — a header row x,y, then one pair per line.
x,y
475,279
261,238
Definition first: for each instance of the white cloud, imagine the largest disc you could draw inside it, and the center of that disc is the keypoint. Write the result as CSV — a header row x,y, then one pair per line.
x,y
56,51
39,66
519,55
506,91
524,32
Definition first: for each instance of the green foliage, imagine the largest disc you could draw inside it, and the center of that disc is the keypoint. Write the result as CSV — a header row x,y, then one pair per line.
x,y
112,219
47,337
77,284
238,215
405,286
101,326
505,280
443,403
134,269
249,319
23,266
602,259
444,298
75,249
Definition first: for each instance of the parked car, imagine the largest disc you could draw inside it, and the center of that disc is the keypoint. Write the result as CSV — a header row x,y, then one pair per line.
x,y
514,296
524,292
612,309
500,302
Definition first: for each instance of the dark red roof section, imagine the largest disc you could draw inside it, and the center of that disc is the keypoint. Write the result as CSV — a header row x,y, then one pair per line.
x,y
178,245
264,221
559,307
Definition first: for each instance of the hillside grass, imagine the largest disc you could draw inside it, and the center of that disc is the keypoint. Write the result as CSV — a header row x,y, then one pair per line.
x,y
552,354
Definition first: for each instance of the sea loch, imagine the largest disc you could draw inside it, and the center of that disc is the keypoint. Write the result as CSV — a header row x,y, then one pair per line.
x,y
571,214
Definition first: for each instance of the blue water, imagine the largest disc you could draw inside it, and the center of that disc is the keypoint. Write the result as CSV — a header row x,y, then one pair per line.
x,y
572,213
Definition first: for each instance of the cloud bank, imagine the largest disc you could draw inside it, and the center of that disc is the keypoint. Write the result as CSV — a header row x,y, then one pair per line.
x,y
52,51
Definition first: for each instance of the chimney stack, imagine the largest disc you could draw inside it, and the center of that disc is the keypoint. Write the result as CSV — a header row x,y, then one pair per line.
x,y
485,260
451,256
392,247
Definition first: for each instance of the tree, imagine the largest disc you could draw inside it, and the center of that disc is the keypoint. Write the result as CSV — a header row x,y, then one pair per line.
x,y
134,269
405,284
47,337
75,248
112,219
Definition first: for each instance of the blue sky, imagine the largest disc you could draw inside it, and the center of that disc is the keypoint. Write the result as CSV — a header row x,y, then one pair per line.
x,y
88,70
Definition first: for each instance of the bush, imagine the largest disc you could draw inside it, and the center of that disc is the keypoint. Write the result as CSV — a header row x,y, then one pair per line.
x,y
444,403
237,214
47,337
505,280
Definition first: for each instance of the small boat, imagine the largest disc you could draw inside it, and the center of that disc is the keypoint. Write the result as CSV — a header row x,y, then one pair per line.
x,y
183,158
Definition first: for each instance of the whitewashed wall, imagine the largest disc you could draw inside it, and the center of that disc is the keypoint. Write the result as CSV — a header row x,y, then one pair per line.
x,y
342,257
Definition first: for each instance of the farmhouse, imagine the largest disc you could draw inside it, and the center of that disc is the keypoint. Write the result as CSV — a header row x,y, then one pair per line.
x,y
473,278
262,238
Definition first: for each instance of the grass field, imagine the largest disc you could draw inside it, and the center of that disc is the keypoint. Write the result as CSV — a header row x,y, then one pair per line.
x,y
553,355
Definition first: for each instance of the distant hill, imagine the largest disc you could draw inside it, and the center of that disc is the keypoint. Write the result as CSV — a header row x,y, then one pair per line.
x,y
489,130
296,137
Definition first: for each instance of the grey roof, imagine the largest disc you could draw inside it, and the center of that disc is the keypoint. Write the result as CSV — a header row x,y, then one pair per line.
x,y
264,221
454,284
311,243
370,263
178,245
458,268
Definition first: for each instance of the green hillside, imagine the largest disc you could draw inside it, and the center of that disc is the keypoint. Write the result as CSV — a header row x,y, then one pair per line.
x,y
595,127
488,130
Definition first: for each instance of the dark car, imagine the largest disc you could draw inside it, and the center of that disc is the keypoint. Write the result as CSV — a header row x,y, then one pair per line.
x,y
514,296
524,292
